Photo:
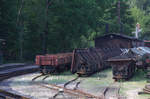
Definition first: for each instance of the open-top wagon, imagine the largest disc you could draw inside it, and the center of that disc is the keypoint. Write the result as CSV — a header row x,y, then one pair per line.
x,y
124,65
122,68
52,63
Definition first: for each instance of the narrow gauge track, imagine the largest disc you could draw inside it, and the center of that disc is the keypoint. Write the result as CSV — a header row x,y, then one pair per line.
x,y
106,94
14,70
8,95
11,70
73,92
67,83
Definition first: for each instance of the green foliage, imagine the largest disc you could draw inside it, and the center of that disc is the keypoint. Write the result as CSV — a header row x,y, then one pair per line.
x,y
71,24
111,18
141,12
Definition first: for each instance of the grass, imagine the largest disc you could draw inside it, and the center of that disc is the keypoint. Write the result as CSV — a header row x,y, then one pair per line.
x,y
134,85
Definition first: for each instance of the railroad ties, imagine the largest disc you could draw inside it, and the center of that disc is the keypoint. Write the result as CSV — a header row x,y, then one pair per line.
x,y
10,95
72,89
11,70
112,91
63,89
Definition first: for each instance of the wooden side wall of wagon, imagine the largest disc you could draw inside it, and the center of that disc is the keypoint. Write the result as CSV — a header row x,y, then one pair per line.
x,y
122,68
92,60
86,62
54,63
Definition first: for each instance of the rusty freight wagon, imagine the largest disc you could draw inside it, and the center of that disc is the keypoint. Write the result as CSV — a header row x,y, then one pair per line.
x,y
52,63
124,65
91,60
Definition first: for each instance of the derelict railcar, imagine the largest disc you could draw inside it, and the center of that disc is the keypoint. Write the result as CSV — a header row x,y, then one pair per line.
x,y
91,60
125,65
54,63
122,68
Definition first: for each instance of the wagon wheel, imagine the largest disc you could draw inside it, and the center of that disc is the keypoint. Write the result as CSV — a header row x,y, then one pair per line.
x,y
44,71
83,68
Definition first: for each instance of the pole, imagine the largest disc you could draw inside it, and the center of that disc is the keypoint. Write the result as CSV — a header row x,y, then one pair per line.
x,y
119,20
20,24
45,34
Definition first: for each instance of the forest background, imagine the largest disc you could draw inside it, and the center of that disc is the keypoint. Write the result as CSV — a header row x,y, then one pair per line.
x,y
32,27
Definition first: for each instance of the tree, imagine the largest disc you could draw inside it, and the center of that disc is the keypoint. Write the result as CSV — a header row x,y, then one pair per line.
x,y
141,13
123,24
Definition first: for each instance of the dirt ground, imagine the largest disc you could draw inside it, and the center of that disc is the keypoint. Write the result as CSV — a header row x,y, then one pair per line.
x,y
94,85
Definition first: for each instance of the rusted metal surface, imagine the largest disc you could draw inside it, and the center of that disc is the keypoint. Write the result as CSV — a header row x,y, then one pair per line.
x,y
123,66
53,59
123,69
51,63
91,60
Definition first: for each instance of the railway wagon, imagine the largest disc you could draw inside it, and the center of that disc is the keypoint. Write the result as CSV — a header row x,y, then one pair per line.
x,y
90,60
122,67
125,65
54,63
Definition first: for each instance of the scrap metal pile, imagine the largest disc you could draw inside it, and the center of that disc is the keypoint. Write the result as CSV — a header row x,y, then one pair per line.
x,y
124,65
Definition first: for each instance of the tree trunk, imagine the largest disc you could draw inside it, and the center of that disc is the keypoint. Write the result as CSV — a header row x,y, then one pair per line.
x,y
20,24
